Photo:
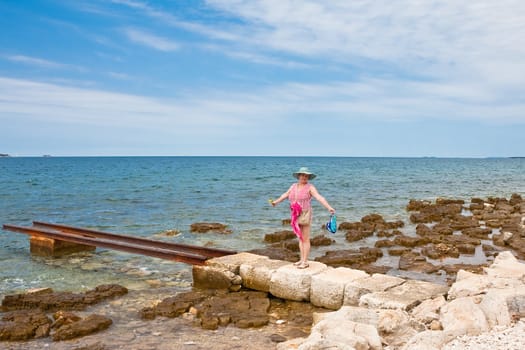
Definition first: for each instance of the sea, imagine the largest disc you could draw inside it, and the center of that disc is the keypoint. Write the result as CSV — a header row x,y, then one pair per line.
x,y
160,197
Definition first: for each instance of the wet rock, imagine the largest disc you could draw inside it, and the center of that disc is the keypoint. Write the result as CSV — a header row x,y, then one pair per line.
x,y
61,300
460,222
490,250
277,338
24,325
440,251
388,233
414,262
63,318
373,219
290,244
205,227
466,248
321,240
176,305
356,235
435,212
382,243
423,230
279,236
277,253
443,228
477,232
89,325
515,199
350,226
411,242
216,308
214,277
453,269
417,205
398,251
350,257
446,201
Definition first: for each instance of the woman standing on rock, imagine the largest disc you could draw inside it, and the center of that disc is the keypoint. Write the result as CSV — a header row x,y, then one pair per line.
x,y
300,195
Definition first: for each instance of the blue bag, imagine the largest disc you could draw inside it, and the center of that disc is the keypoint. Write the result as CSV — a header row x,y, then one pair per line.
x,y
331,225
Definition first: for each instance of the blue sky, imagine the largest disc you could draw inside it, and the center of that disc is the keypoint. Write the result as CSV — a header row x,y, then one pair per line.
x,y
274,77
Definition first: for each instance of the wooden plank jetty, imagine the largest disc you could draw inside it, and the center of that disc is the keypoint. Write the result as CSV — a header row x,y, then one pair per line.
x,y
44,233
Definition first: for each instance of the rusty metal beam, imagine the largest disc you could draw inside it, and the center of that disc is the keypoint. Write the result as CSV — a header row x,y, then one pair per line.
x,y
207,252
185,257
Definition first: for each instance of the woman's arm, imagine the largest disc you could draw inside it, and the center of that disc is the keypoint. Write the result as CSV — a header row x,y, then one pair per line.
x,y
321,199
282,198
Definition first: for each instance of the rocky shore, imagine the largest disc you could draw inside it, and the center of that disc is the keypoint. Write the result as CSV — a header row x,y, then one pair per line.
x,y
347,299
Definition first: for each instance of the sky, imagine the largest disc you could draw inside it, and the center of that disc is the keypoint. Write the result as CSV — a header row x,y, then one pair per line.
x,y
381,78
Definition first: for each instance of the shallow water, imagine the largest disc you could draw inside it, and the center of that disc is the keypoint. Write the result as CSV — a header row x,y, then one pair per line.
x,y
147,196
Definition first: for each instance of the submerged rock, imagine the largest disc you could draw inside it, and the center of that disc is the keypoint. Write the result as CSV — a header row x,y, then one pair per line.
x,y
205,227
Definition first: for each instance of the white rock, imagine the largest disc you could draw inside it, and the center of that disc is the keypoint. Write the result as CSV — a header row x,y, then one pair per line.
x,y
428,310
328,286
405,296
357,335
289,282
350,313
480,284
506,265
292,344
427,340
375,283
500,306
234,261
463,316
257,275
392,320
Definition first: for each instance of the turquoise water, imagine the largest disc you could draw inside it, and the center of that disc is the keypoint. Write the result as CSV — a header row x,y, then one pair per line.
x,y
147,196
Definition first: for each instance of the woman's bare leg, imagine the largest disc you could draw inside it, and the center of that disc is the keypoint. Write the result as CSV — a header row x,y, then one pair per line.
x,y
304,245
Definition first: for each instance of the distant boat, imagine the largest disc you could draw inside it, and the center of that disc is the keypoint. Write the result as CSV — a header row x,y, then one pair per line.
x,y
4,155
46,155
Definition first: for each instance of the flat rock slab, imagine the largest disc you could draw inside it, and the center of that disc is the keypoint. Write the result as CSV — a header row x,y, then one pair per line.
x,y
375,283
233,262
289,282
405,296
257,274
327,287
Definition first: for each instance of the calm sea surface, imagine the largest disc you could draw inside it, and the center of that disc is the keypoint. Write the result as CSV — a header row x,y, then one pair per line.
x,y
149,196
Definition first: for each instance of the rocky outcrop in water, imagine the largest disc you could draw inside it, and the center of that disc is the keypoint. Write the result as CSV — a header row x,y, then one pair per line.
x,y
205,227
47,300
25,315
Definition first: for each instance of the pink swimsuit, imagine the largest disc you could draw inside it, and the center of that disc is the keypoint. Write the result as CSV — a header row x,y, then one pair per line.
x,y
299,200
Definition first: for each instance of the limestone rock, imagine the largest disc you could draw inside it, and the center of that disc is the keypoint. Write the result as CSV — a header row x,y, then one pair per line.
x,y
405,296
463,316
327,287
506,265
428,310
428,340
375,283
257,275
289,282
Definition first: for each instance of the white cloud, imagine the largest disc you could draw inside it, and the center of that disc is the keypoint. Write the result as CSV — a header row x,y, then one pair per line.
x,y
150,40
39,62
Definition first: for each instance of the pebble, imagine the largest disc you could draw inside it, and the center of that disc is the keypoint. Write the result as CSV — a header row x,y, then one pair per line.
x,y
510,338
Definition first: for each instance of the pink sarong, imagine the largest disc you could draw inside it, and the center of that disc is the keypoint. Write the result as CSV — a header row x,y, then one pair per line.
x,y
295,211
